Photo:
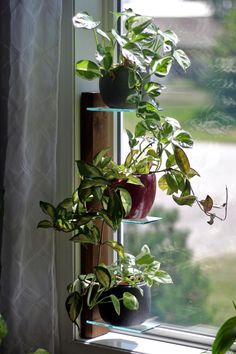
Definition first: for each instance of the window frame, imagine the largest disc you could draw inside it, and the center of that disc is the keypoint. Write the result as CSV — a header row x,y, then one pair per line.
x,y
68,151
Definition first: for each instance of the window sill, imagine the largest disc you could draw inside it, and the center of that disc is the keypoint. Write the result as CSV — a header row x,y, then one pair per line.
x,y
131,344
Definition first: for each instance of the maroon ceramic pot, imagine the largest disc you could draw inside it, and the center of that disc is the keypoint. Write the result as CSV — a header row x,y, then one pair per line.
x,y
142,196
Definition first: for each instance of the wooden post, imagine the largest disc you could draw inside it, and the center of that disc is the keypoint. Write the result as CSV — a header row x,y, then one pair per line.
x,y
96,134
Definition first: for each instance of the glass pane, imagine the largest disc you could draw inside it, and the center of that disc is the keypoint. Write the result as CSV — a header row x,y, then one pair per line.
x,y
201,258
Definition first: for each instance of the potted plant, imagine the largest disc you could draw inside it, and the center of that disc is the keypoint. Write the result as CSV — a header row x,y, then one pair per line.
x,y
124,284
144,51
158,142
157,147
105,195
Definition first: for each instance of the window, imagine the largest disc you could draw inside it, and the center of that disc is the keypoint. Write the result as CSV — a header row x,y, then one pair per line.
x,y
200,257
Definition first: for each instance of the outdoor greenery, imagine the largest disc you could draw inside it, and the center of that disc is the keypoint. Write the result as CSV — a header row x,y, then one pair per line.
x,y
185,302
220,78
220,277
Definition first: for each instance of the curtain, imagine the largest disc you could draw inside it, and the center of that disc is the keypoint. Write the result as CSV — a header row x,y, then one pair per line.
x,y
29,70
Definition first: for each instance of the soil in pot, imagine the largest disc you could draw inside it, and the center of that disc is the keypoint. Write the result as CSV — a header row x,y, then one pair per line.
x,y
142,196
127,317
114,88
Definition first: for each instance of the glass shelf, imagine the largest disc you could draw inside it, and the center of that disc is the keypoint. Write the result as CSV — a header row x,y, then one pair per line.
x,y
143,327
147,220
108,109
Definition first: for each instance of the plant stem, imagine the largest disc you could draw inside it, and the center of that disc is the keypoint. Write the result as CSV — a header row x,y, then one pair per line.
x,y
95,37
140,154
100,243
213,215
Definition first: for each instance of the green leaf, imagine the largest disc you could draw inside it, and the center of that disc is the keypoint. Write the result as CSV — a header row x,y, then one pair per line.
x,y
82,238
162,277
47,208
88,170
169,36
144,257
107,61
172,183
74,304
181,160
186,190
93,182
40,351
162,183
83,220
66,203
84,20
116,303
133,80
87,69
87,234
134,180
103,34
192,173
130,157
225,337
140,129
103,276
148,110
100,155
92,294
173,122
115,210
115,245
126,200
107,219
118,38
132,140
133,56
138,23
181,180
170,161
185,200
153,89
161,67
45,224
182,59
130,301
183,138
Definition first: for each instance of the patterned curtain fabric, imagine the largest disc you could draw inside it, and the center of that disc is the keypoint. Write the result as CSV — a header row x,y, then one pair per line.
x,y
29,67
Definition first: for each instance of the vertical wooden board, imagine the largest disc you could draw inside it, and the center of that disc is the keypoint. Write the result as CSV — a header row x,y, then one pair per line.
x,y
96,134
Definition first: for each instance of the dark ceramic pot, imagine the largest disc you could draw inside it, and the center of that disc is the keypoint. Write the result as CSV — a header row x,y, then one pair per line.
x,y
127,317
114,88
142,196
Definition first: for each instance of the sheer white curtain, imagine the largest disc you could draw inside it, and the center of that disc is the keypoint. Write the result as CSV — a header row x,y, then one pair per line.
x,y
28,289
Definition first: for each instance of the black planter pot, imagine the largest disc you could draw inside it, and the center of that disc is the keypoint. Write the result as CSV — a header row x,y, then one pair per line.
x,y
127,317
114,88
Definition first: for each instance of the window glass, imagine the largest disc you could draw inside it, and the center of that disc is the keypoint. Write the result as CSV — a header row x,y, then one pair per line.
x,y
200,257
